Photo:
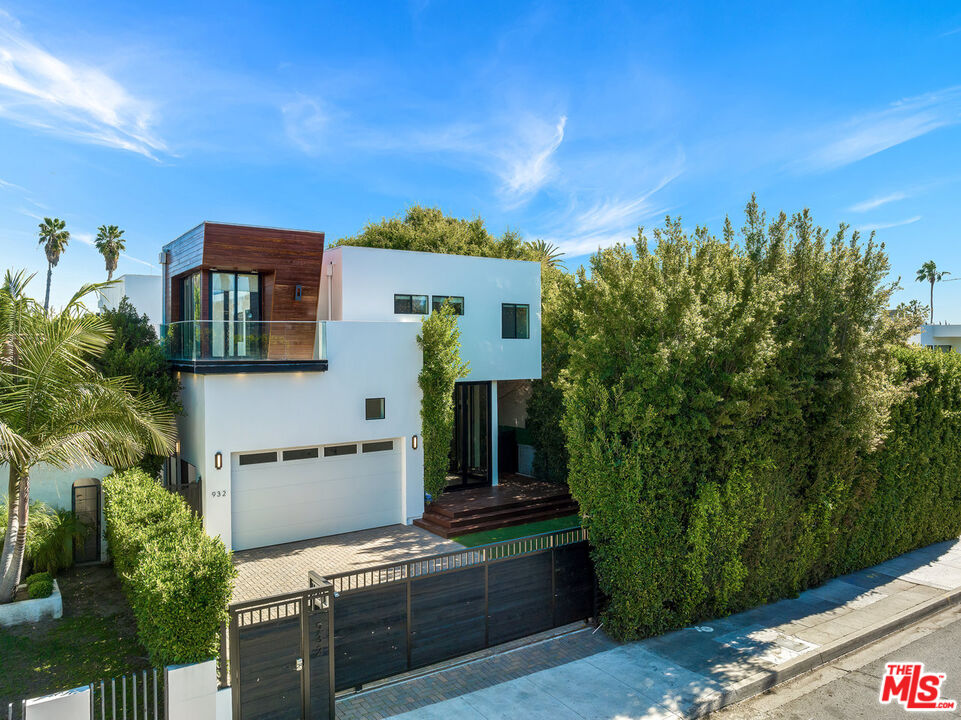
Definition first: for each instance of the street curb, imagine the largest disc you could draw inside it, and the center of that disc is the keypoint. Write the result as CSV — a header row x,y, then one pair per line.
x,y
763,681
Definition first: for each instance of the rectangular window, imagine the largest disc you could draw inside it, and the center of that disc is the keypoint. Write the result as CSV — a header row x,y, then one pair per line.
x,y
303,454
378,446
375,408
455,301
515,321
257,458
410,304
338,450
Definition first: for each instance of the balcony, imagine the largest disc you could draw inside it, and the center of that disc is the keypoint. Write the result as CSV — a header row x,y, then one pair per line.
x,y
232,346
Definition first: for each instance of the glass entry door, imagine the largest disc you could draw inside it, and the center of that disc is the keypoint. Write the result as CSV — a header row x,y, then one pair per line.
x,y
471,445
235,315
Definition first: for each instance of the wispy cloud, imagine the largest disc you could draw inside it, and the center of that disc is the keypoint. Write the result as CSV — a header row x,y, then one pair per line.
x,y
951,32
611,220
877,202
874,132
885,226
43,91
527,165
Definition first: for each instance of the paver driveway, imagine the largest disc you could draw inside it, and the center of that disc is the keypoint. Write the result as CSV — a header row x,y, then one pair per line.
x,y
262,572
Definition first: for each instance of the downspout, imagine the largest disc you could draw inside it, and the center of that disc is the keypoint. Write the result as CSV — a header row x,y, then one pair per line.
x,y
330,281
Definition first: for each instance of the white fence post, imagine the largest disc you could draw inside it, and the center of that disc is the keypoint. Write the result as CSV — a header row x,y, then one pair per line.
x,y
67,705
191,691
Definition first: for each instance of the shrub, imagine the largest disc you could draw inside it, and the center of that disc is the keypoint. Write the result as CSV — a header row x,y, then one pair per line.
x,y
50,537
738,425
39,585
439,339
178,579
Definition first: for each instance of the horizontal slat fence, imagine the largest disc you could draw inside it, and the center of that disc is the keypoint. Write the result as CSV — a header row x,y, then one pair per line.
x,y
393,618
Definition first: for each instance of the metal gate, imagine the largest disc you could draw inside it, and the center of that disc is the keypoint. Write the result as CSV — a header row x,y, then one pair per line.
x,y
86,506
280,662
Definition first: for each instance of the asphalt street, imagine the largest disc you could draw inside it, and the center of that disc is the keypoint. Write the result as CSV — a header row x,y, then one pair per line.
x,y
849,688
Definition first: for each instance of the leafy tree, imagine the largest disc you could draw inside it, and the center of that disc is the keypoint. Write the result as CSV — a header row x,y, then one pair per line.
x,y
110,243
430,230
135,352
54,237
56,409
928,272
439,339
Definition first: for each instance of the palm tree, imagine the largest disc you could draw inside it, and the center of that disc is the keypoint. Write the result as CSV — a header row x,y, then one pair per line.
x,y
547,253
53,237
110,243
56,409
929,272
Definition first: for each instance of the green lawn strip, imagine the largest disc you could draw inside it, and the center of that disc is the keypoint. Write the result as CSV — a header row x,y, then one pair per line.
x,y
517,531
64,654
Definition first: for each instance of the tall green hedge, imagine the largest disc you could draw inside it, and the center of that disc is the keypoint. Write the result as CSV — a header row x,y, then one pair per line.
x,y
178,579
439,339
744,420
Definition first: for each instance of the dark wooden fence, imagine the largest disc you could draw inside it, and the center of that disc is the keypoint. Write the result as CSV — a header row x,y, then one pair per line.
x,y
398,617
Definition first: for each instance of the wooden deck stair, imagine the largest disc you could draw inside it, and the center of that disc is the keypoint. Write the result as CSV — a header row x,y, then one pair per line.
x,y
513,502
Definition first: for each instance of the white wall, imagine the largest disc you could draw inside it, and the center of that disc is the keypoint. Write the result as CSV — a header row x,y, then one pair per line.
x,y
143,291
366,279
940,335
258,411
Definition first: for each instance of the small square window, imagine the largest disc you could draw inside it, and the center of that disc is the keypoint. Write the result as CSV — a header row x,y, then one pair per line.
x,y
338,450
455,301
375,408
410,304
515,321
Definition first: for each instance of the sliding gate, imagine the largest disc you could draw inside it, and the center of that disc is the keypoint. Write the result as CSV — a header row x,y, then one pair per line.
x,y
393,618
279,657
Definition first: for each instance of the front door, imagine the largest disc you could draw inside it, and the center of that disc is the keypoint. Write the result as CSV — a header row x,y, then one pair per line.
x,y
471,446
86,506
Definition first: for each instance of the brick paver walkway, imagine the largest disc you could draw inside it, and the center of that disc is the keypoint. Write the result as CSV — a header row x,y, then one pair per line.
x,y
262,572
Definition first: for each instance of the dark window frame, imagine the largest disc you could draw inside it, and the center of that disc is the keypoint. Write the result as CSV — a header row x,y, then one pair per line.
x,y
377,446
509,330
340,450
300,454
436,301
375,416
257,458
398,297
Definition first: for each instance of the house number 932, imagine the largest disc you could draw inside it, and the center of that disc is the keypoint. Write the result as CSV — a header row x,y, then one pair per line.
x,y
218,493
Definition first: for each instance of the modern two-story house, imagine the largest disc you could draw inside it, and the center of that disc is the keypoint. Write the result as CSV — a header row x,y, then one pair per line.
x,y
299,365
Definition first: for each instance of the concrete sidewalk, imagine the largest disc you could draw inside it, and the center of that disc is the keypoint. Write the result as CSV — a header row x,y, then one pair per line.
x,y
690,672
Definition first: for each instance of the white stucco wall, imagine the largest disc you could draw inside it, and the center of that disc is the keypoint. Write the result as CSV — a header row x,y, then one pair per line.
x,y
247,412
143,291
940,335
366,279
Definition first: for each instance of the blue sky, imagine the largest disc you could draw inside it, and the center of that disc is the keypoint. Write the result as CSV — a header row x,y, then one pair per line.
x,y
570,122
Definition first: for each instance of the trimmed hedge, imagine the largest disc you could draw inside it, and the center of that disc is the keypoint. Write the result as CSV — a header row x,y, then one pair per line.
x,y
179,580
744,419
39,585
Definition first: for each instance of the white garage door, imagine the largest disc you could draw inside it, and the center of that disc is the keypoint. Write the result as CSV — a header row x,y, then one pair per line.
x,y
280,496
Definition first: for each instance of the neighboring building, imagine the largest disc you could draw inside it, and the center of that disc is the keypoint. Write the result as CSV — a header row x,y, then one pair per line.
x,y
299,368
946,338
143,292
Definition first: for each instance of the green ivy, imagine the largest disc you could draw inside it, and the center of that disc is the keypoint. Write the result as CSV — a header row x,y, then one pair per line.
x,y
439,339
179,580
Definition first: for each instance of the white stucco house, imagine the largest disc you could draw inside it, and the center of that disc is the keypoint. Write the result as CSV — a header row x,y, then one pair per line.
x,y
299,365
944,337
143,292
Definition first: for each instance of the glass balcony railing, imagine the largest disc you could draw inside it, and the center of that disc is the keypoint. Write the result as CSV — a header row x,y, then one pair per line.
x,y
244,340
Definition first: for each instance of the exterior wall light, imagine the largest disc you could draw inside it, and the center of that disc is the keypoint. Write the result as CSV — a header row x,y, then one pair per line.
x,y
413,442
177,447
218,460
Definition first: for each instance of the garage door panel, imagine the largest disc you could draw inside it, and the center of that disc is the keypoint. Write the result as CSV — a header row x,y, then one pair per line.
x,y
282,502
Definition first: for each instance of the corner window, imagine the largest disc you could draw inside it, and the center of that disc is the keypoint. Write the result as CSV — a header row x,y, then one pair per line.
x,y
375,408
515,321
455,301
410,304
